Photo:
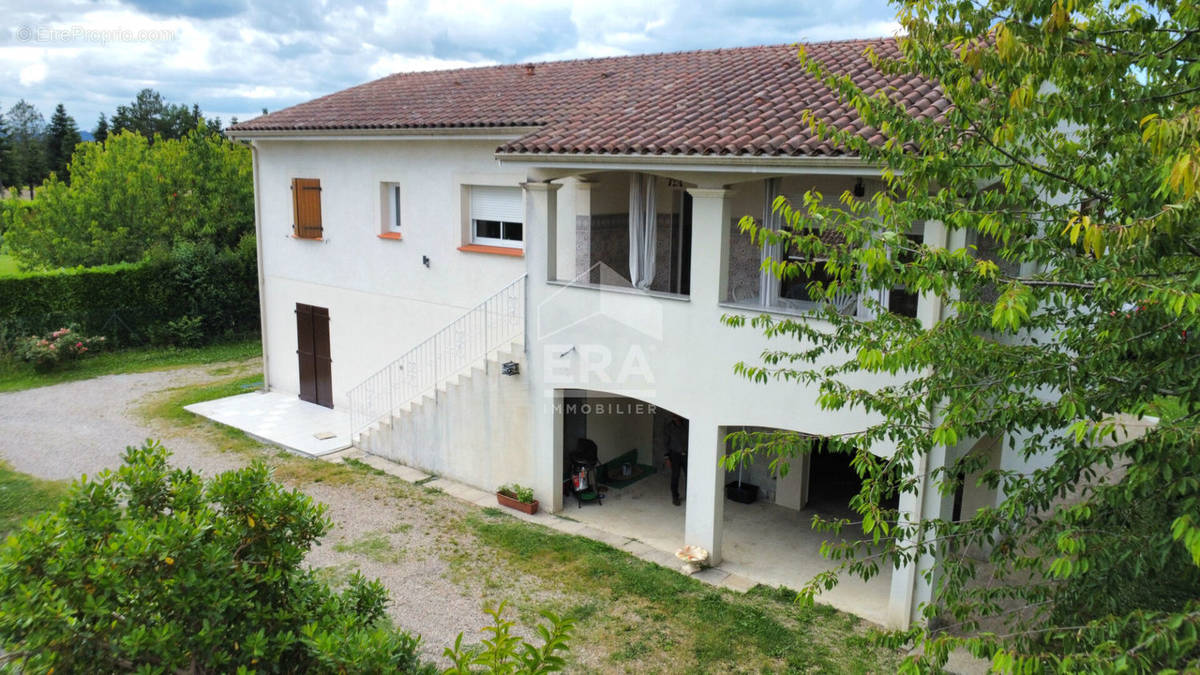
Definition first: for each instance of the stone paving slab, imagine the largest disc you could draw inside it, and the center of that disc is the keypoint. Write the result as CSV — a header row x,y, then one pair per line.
x,y
614,540
404,473
737,582
567,526
712,575
661,558
456,489
635,547
341,456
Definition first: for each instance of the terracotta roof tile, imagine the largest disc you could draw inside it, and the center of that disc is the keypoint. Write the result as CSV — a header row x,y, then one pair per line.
x,y
743,101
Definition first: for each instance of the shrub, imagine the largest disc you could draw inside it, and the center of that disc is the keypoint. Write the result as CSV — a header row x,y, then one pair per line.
x,y
186,331
132,304
506,653
153,569
62,347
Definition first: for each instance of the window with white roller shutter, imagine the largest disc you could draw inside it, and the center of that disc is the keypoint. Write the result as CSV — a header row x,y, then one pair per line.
x,y
497,216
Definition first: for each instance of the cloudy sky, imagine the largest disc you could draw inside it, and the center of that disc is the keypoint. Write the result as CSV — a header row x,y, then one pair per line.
x,y
236,57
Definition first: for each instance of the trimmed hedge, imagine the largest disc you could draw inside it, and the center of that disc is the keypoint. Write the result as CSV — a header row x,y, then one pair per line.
x,y
213,293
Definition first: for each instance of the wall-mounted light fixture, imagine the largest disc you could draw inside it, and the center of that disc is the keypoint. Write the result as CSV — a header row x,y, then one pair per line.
x,y
425,260
859,189
510,368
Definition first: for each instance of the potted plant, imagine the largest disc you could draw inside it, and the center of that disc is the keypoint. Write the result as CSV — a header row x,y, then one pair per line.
x,y
517,497
743,493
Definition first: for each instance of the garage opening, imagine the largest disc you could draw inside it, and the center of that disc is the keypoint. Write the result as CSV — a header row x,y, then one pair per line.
x,y
620,444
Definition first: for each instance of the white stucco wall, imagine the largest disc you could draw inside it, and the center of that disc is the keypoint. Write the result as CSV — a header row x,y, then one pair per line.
x,y
381,298
475,430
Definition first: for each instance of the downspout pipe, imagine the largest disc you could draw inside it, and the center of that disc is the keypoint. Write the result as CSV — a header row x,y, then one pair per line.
x,y
262,285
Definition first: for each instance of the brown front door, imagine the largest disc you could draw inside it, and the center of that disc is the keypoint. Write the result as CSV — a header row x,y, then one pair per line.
x,y
312,348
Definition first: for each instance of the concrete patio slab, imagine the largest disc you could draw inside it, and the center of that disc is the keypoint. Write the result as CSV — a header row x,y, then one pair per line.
x,y
283,420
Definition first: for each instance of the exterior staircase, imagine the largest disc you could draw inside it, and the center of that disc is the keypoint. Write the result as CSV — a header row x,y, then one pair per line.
x,y
445,406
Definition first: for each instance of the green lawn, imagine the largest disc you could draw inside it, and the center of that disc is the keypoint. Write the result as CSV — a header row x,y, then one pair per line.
x,y
23,496
16,375
653,619
8,266
633,616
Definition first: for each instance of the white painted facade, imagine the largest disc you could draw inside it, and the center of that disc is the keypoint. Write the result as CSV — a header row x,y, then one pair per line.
x,y
668,350
381,296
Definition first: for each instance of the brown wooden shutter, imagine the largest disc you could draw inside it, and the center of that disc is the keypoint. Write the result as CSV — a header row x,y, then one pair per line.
x,y
306,208
305,350
312,350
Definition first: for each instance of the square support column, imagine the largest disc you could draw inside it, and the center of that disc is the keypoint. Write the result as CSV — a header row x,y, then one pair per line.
x,y
541,236
710,234
541,229
929,306
705,517
581,259
912,584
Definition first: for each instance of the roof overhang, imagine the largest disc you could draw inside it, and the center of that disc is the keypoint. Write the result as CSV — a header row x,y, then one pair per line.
x,y
847,166
407,134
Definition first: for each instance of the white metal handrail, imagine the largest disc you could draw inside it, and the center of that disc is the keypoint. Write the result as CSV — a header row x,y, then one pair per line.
x,y
494,323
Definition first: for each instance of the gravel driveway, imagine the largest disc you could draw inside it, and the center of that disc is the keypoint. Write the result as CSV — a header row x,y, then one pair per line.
x,y
74,428
395,533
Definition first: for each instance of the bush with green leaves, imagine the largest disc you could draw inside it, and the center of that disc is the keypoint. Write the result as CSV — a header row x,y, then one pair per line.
x,y
128,196
153,569
62,347
199,286
186,331
504,652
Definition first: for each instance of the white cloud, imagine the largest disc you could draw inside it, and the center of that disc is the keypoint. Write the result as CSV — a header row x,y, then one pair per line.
x,y
32,74
399,63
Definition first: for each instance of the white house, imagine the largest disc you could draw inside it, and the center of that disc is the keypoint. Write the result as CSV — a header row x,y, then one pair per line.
x,y
425,235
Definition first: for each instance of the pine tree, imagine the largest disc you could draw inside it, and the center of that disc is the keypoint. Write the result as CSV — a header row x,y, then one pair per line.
x,y
101,132
6,158
61,138
149,115
26,134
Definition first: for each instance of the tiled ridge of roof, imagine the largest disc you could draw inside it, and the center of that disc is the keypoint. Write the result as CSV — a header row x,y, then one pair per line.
x,y
742,101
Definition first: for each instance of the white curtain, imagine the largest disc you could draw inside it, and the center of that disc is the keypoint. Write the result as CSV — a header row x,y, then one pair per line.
x,y
768,283
643,222
865,312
